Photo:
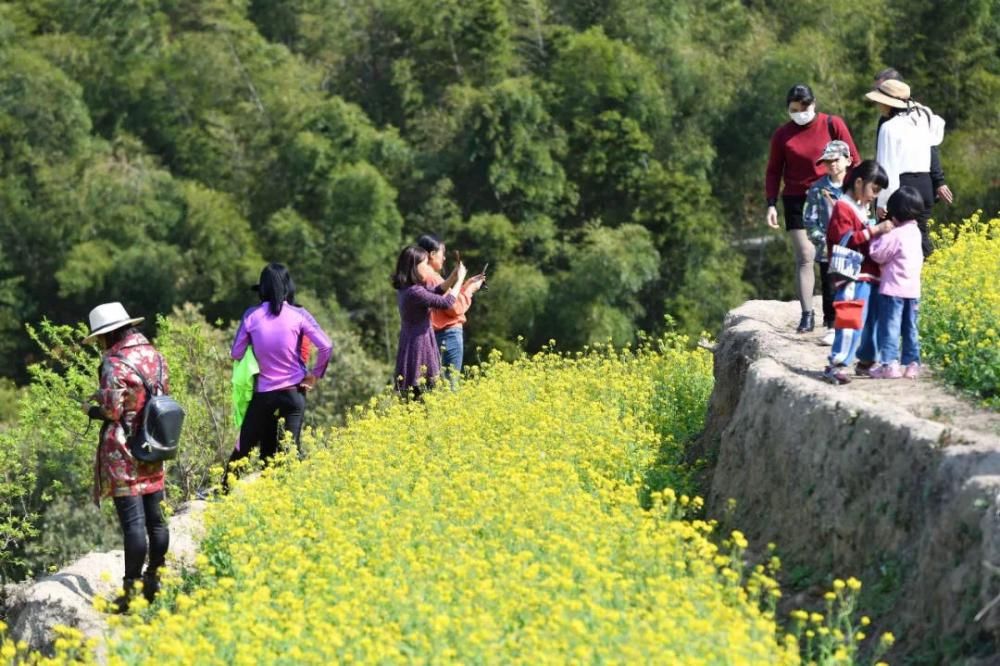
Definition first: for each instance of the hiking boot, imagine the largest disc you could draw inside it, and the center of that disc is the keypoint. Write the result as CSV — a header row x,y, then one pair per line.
x,y
121,603
889,370
864,368
912,370
807,323
150,585
836,374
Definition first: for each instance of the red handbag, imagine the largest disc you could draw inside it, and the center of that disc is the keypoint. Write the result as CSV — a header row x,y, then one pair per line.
x,y
848,314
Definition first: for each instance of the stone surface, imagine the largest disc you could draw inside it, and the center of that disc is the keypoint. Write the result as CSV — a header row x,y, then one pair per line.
x,y
66,597
894,481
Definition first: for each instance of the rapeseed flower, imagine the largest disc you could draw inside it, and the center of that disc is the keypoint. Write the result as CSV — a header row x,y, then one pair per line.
x,y
960,306
512,520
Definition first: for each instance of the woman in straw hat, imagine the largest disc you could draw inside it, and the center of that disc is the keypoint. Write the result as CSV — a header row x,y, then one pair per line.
x,y
136,487
904,146
792,160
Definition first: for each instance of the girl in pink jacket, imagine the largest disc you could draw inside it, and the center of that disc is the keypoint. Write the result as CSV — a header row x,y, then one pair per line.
x,y
901,257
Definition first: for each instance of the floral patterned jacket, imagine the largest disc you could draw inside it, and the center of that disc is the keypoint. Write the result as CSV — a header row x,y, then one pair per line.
x,y
121,398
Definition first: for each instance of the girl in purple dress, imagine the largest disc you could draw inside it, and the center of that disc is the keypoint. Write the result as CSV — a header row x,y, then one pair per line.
x,y
418,362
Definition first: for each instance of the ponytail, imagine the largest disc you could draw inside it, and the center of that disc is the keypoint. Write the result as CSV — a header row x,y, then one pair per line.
x,y
276,287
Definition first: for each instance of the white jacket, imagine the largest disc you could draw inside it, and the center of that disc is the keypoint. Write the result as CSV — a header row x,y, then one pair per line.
x,y
904,145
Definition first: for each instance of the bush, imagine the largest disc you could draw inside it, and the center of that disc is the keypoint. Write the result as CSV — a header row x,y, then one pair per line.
x,y
47,446
960,307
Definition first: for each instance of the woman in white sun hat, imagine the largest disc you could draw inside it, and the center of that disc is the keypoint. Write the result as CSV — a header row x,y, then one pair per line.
x,y
135,487
904,146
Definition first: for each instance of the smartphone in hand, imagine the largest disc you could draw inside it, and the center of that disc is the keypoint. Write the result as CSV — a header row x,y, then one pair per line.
x,y
484,286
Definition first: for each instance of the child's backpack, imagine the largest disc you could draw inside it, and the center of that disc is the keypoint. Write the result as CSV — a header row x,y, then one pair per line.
x,y
157,438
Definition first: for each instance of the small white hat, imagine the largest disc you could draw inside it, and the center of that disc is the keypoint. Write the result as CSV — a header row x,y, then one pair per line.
x,y
108,317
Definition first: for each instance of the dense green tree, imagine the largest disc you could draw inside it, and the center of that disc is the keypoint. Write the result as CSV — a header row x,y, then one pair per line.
x,y
160,150
597,295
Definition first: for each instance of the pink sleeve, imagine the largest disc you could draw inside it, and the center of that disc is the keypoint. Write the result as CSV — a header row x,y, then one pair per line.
x,y
884,248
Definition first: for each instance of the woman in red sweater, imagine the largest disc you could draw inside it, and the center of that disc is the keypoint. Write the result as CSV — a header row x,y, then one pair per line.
x,y
795,147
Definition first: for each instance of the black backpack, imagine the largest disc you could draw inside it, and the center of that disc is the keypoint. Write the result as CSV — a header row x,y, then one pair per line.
x,y
162,417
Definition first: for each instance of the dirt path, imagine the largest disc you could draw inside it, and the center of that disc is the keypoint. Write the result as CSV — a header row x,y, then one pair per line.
x,y
928,397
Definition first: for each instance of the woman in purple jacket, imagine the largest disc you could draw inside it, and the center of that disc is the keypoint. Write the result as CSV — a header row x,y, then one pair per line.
x,y
275,328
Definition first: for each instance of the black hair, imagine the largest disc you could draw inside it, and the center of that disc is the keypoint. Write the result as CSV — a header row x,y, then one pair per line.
x,y
889,74
276,287
800,92
407,274
112,338
905,204
868,171
430,243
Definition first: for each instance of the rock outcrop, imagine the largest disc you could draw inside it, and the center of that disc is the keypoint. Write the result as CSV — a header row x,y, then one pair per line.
x,y
66,597
895,481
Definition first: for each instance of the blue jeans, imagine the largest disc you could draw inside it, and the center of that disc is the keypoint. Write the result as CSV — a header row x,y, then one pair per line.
x,y
451,344
869,348
898,316
846,341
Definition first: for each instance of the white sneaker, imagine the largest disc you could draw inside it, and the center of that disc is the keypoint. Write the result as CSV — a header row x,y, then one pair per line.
x,y
828,338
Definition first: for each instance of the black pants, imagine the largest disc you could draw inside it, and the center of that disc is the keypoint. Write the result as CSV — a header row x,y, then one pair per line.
x,y
826,285
260,425
140,517
922,181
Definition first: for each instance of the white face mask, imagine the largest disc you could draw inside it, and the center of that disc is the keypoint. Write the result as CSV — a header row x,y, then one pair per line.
x,y
803,117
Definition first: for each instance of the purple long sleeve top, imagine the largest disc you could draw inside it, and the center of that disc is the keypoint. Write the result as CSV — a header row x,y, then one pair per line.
x,y
276,341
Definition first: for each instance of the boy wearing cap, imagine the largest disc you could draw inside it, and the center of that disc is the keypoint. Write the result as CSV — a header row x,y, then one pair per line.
x,y
820,197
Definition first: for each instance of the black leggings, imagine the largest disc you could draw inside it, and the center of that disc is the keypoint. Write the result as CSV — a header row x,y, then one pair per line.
x,y
139,517
260,425
924,185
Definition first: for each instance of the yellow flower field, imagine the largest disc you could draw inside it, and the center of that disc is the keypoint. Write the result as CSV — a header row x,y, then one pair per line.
x,y
960,307
499,524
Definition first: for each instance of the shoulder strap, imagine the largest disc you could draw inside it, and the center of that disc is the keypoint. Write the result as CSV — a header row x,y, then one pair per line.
x,y
142,377
829,127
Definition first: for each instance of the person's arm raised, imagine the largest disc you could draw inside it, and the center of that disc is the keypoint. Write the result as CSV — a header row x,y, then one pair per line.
x,y
460,272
